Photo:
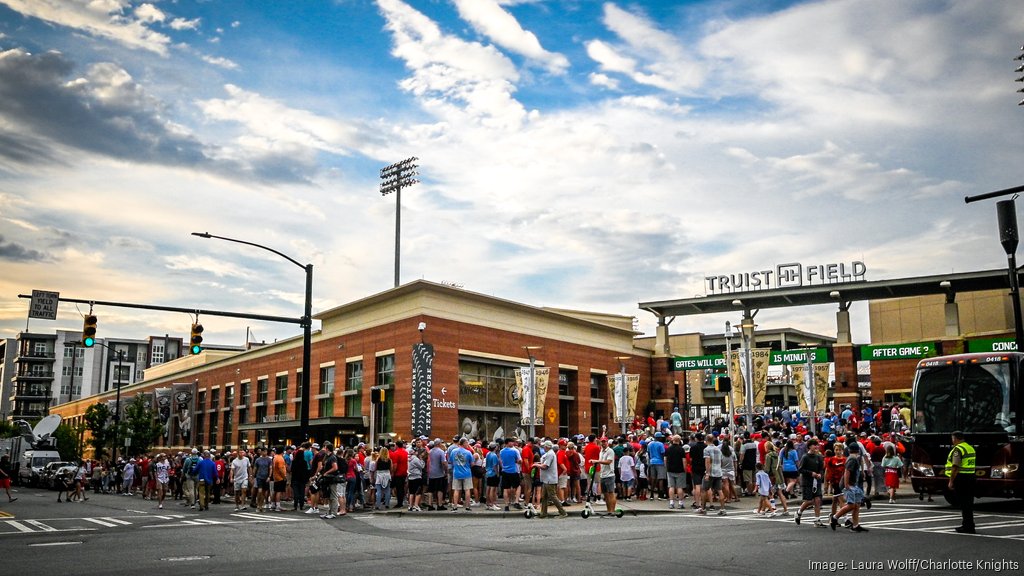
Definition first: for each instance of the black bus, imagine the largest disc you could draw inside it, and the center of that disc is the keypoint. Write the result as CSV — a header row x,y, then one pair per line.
x,y
980,395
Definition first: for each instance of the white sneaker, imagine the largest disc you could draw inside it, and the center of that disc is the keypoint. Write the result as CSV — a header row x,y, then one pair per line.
x,y
309,510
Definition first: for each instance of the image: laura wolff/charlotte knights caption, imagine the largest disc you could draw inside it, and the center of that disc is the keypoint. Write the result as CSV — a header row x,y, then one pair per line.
x,y
913,565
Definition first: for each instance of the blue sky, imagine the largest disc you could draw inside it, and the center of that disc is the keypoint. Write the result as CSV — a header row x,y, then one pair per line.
x,y
573,153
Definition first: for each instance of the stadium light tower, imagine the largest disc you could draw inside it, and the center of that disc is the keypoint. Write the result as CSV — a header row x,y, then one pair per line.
x,y
392,179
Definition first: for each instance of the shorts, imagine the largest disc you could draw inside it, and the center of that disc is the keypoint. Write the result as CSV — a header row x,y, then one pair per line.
x,y
241,484
790,475
563,482
676,480
279,486
853,495
416,486
712,482
510,481
263,484
809,489
462,484
608,485
730,475
5,483
493,481
435,485
657,472
629,484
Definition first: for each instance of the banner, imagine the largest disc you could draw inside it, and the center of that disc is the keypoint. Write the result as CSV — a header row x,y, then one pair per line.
x,y
111,411
422,388
820,387
761,358
184,407
163,411
623,411
524,387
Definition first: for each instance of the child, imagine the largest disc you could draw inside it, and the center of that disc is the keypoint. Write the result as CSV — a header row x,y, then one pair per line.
x,y
641,474
627,472
892,464
834,467
763,487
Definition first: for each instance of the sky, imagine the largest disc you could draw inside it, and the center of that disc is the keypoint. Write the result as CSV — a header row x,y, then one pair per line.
x,y
572,153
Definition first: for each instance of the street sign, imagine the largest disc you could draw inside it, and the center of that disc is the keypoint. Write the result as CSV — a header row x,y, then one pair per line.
x,y
912,351
680,363
798,356
44,305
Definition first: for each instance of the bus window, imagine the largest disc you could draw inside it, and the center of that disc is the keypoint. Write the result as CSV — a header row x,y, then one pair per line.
x,y
934,400
985,398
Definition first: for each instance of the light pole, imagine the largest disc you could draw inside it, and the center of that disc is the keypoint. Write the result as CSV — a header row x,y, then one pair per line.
x,y
306,321
622,393
531,409
728,374
747,328
392,179
117,394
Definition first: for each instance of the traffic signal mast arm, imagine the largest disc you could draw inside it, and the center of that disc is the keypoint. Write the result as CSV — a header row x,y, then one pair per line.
x,y
226,314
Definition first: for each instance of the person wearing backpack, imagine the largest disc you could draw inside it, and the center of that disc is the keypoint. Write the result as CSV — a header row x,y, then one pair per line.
x,y
188,470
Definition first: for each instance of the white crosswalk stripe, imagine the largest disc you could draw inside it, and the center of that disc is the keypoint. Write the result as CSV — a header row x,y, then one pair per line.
x,y
42,527
264,517
19,526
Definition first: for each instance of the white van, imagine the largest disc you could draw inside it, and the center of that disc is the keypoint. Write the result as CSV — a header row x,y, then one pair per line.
x,y
32,464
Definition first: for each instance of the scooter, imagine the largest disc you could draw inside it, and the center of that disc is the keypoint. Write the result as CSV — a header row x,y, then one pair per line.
x,y
588,509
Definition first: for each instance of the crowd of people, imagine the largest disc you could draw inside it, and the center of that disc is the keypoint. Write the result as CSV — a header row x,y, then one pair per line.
x,y
853,456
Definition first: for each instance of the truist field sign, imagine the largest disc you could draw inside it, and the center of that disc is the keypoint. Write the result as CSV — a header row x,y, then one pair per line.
x,y
793,275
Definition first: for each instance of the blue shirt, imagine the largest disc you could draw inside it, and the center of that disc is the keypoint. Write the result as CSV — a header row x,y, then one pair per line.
x,y
491,463
510,460
656,452
206,471
461,461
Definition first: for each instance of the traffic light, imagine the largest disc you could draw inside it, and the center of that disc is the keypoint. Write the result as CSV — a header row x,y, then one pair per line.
x,y
196,340
89,331
377,394
723,384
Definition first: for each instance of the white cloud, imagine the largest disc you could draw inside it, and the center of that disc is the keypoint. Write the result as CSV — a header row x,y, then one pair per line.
x,y
647,54
450,74
185,24
488,18
102,18
149,14
221,62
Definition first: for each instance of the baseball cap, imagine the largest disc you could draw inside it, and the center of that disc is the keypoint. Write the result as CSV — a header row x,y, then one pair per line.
x,y
195,451
659,435
316,446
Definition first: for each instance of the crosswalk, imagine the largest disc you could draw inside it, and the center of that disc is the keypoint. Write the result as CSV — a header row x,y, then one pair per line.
x,y
15,527
932,520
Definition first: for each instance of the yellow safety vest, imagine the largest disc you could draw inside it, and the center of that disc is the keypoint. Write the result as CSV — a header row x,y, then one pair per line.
x,y
967,457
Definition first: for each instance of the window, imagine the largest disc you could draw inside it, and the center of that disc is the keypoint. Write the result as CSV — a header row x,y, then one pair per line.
x,y
201,401
354,382
385,370
39,349
261,414
66,371
140,357
243,415
226,433
487,385
326,407
598,393
327,380
261,389
229,398
213,429
281,390
215,399
158,353
280,412
243,394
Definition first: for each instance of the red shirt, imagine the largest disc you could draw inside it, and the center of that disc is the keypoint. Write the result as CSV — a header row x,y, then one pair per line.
x,y
527,457
591,454
399,462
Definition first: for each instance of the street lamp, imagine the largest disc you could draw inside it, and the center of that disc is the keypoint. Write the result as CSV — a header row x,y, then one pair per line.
x,y
531,409
747,327
728,374
117,395
622,392
392,179
306,321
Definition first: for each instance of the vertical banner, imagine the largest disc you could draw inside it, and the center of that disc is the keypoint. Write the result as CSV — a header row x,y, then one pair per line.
x,y
623,397
523,387
422,388
111,411
148,399
184,407
804,391
163,412
632,388
615,395
738,366
541,386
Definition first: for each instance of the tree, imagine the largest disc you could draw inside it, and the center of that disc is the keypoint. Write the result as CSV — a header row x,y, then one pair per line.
x,y
140,425
69,442
99,423
8,429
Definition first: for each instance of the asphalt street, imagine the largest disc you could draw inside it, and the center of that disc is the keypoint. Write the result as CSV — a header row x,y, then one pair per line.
x,y
121,535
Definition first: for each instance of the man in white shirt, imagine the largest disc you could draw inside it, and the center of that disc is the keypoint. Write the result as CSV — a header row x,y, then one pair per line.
x,y
607,462
239,477
549,472
713,475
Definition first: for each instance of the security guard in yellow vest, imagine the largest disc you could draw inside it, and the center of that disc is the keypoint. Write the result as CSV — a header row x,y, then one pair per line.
x,y
960,469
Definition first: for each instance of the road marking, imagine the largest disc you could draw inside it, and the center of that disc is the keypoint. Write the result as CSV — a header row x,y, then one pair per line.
x,y
56,543
19,526
264,518
913,520
41,526
100,522
117,521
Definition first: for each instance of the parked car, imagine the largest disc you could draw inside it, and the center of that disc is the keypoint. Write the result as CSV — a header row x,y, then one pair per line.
x,y
54,472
